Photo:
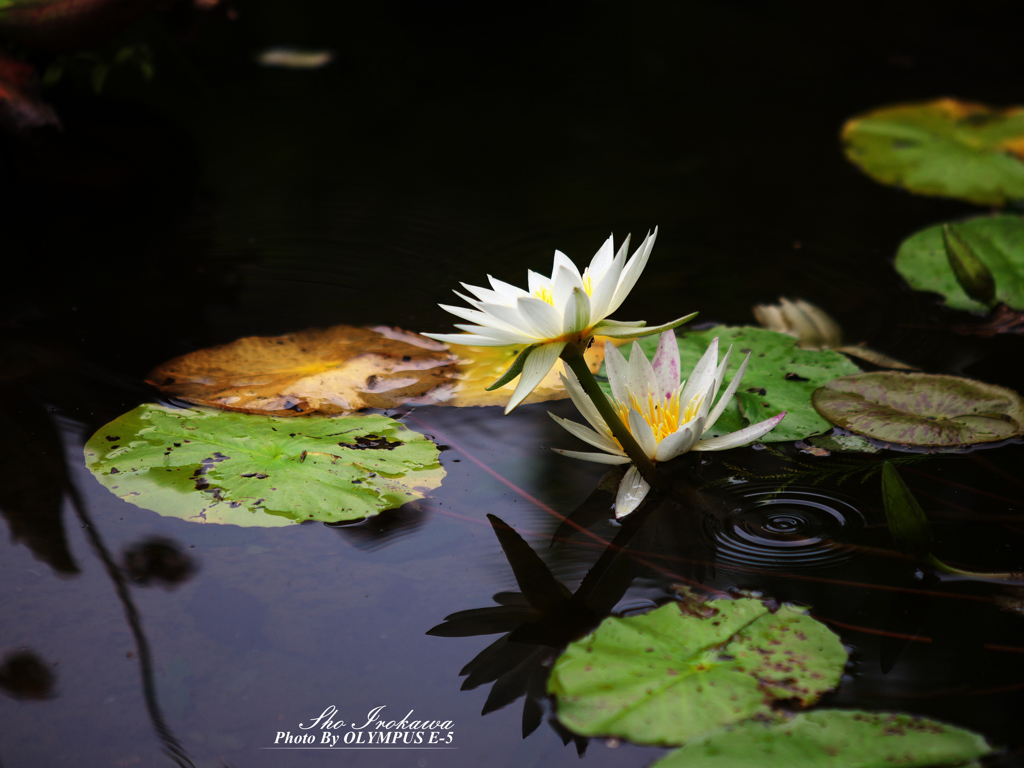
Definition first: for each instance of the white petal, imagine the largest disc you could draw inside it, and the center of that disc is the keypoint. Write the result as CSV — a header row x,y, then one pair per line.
x,y
537,283
468,339
723,401
741,437
602,289
642,433
511,316
618,372
482,294
563,261
633,330
576,315
588,435
535,368
632,490
666,365
602,259
563,284
703,375
478,317
641,379
599,458
509,291
631,272
541,317
676,444
583,403
497,334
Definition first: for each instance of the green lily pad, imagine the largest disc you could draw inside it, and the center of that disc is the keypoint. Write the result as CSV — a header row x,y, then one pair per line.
x,y
779,377
998,241
684,670
219,467
831,738
946,147
922,408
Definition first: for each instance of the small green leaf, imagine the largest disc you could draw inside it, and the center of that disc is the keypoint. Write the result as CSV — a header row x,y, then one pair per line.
x,y
922,408
221,467
907,522
972,274
995,242
513,370
686,669
779,377
831,738
946,147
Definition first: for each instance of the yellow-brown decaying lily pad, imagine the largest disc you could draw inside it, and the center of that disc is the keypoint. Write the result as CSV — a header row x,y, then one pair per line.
x,y
343,369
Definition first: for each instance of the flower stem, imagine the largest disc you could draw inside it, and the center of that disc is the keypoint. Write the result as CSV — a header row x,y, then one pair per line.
x,y
574,359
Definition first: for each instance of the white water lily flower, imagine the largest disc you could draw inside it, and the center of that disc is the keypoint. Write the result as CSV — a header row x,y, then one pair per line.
x,y
567,308
665,416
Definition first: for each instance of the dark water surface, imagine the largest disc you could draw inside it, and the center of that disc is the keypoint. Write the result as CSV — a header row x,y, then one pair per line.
x,y
445,142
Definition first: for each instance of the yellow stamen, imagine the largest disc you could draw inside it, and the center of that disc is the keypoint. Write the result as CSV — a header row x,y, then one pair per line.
x,y
663,417
545,294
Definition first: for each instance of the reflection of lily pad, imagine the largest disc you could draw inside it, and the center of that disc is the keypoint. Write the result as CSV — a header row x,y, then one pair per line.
x,y
998,241
829,738
946,147
779,377
217,467
343,369
922,408
683,670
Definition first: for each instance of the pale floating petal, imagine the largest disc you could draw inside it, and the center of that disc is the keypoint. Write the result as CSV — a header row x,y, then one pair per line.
x,y
631,272
641,379
642,433
667,368
633,489
676,444
740,437
541,317
618,372
583,403
597,458
723,401
631,331
703,375
588,435
468,339
536,368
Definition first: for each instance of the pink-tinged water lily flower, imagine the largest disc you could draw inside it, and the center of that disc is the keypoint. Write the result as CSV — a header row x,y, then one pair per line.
x,y
560,312
665,416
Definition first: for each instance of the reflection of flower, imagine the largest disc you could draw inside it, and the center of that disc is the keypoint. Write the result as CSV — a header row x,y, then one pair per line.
x,y
667,418
566,309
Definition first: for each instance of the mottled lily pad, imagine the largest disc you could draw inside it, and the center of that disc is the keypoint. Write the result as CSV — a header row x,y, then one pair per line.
x,y
342,369
997,241
779,377
686,669
921,408
218,467
830,738
946,147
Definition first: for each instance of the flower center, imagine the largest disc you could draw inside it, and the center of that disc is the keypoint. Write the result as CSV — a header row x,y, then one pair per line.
x,y
545,294
665,417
